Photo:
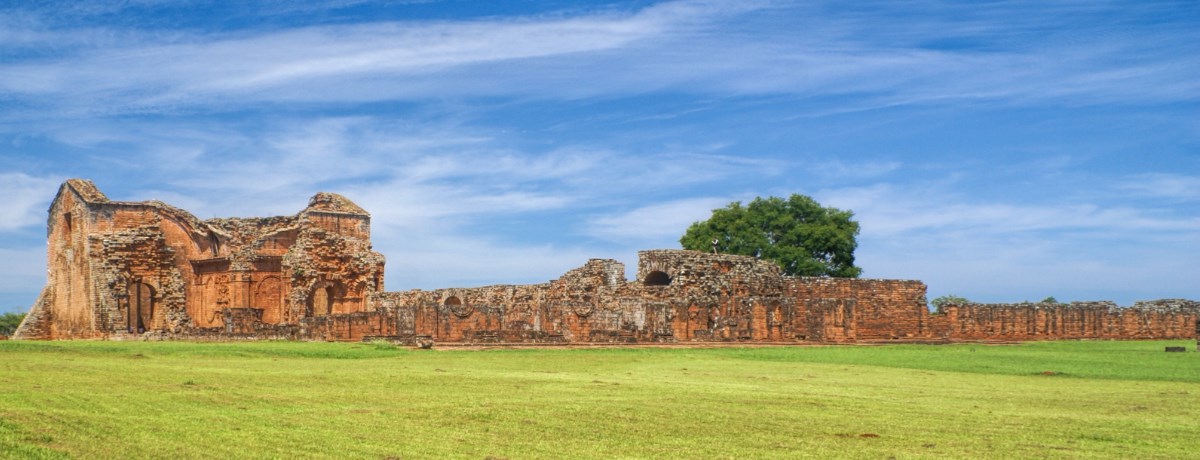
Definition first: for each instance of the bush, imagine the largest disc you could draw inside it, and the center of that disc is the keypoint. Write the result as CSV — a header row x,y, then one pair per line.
x,y
9,322
949,299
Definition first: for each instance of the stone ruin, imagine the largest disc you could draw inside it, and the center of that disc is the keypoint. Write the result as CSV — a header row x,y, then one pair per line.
x,y
124,270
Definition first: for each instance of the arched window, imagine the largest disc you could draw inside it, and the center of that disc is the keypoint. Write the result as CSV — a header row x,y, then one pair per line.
x,y
657,278
452,300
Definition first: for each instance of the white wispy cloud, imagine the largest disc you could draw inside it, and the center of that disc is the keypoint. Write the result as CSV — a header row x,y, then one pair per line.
x,y
674,45
148,74
659,221
889,209
841,169
615,127
23,272
435,170
25,199
429,258
992,269
1173,186
1020,249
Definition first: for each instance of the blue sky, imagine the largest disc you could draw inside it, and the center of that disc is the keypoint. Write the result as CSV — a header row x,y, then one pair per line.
x,y
1002,151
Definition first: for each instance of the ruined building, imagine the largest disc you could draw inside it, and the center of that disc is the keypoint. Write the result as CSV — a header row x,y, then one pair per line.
x,y
148,270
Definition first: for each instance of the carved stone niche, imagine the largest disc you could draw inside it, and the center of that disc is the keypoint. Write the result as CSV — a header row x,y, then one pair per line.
x,y
583,309
581,305
459,308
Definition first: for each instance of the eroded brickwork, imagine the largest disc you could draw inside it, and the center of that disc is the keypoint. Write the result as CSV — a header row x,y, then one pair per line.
x,y
849,310
1160,319
121,269
148,270
36,325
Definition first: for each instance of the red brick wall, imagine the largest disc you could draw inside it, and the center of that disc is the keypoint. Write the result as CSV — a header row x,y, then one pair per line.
x,y
847,310
1077,320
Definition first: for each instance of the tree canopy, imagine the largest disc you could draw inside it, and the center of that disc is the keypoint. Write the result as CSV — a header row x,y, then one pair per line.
x,y
803,237
9,322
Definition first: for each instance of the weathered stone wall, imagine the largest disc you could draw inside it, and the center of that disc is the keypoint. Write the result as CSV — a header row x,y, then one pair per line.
x,y
330,267
122,270
36,324
123,262
848,310
1160,319
67,257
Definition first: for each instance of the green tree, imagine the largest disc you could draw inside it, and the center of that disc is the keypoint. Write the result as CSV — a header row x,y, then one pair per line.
x,y
9,322
1050,299
949,299
803,237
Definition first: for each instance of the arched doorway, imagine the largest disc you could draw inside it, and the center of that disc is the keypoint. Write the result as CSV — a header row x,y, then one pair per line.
x,y
321,301
140,313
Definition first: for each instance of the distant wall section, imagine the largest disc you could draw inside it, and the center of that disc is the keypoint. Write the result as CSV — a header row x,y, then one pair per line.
x,y
1159,319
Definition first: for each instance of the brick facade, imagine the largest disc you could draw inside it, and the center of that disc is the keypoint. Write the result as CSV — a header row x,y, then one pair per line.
x,y
132,270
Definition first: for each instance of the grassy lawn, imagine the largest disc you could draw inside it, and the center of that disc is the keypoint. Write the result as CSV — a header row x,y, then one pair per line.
x,y
339,400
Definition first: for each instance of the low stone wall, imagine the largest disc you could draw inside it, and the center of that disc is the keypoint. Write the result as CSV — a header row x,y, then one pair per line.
x,y
821,311
1160,319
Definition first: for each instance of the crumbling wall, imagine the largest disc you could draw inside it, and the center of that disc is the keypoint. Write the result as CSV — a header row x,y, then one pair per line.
x,y
246,240
679,296
1160,319
69,312
243,269
36,324
123,270
123,259
697,296
1168,317
330,267
490,314
848,310
96,250
595,303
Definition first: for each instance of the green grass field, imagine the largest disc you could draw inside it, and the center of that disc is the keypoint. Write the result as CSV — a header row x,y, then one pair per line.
x,y
342,400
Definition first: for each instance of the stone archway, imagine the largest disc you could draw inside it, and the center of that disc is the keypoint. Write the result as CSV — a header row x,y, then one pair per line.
x,y
657,278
